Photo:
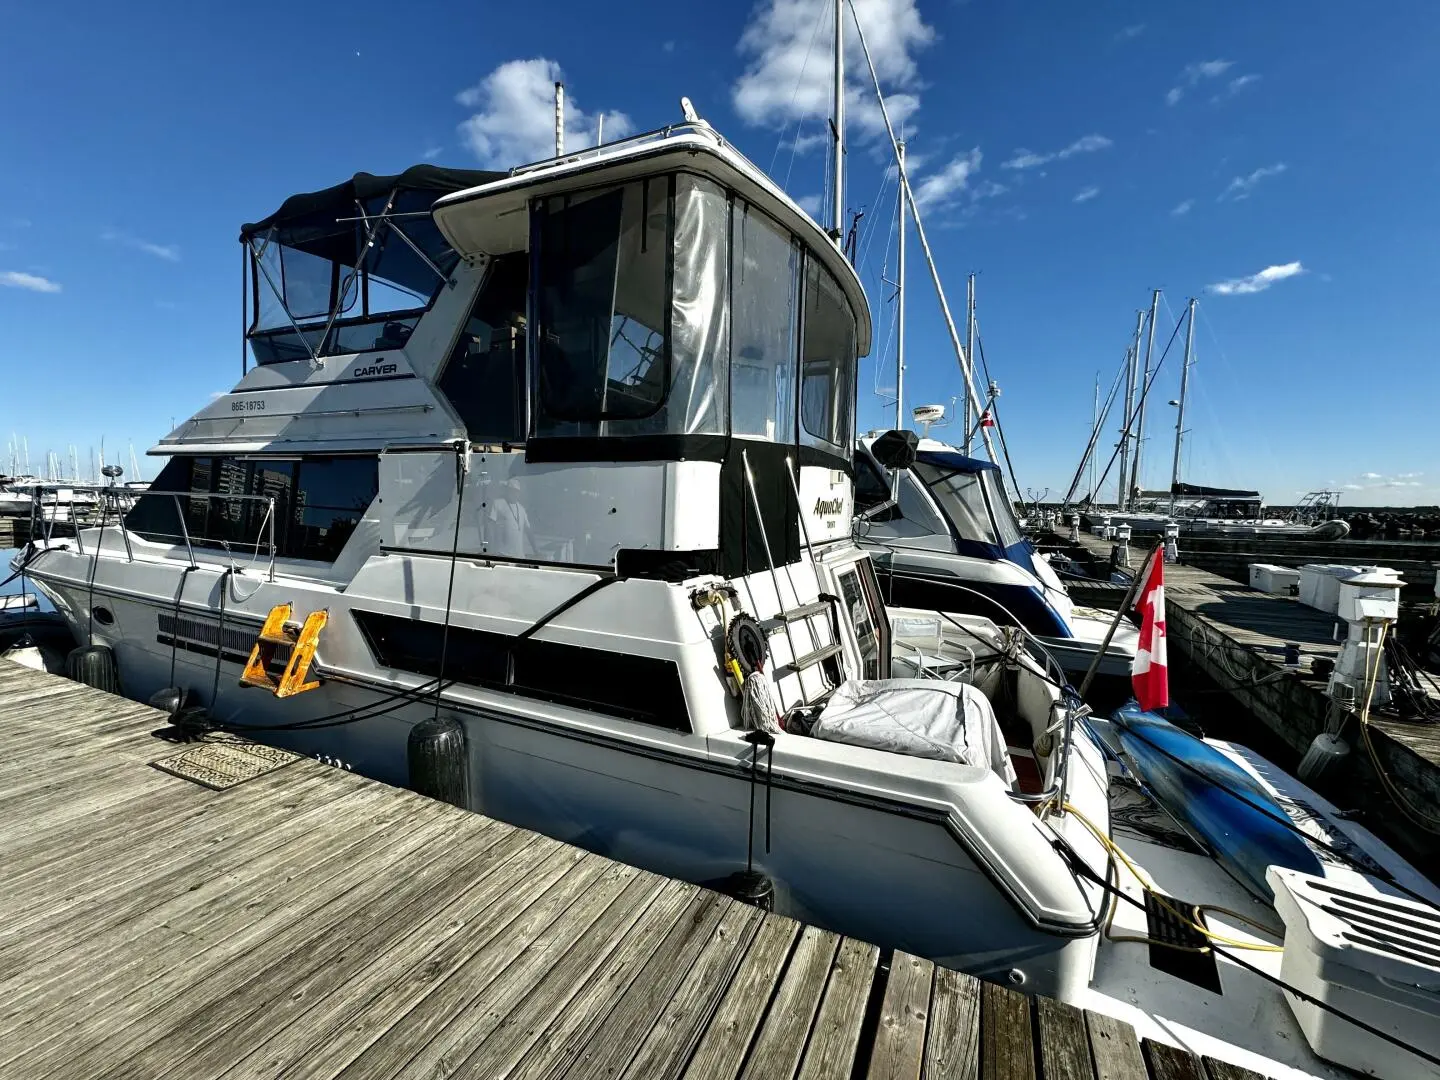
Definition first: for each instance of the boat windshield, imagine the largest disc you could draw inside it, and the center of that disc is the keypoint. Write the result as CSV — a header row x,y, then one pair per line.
x,y
974,501
1002,509
346,286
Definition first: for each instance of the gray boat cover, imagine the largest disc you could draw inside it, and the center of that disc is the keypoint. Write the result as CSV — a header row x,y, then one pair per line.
x,y
926,718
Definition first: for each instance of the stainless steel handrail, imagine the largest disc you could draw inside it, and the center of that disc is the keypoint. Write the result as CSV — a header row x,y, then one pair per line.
x,y
111,494
685,127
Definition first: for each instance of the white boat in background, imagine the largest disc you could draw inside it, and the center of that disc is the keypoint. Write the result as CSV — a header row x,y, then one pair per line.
x,y
944,535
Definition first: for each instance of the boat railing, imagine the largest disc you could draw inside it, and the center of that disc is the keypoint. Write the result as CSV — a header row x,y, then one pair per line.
x,y
670,131
116,502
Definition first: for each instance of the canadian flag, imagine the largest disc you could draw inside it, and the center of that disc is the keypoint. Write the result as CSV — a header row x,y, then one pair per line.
x,y
986,420
1150,673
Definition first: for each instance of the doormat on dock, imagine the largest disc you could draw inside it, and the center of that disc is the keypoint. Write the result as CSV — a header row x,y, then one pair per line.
x,y
223,765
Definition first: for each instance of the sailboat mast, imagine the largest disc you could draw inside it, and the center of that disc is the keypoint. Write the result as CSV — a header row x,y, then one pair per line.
x,y
1144,392
969,349
900,298
837,215
1132,357
1180,411
966,369
1094,426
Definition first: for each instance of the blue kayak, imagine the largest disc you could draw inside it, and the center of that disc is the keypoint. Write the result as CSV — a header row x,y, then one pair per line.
x,y
1217,802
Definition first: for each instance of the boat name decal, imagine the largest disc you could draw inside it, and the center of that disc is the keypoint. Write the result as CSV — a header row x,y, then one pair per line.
x,y
829,507
377,369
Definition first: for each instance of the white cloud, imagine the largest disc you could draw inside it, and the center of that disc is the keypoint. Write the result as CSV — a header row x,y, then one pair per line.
x,y
1183,208
168,252
1256,282
1086,194
943,186
431,153
1241,186
787,77
1129,32
987,189
1026,159
515,124
1086,144
17,280
668,47
1194,74
1374,481
1234,86
810,204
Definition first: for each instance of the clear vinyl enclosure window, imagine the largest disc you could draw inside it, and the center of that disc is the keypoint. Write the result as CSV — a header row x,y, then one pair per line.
x,y
666,306
310,290
827,364
765,280
631,307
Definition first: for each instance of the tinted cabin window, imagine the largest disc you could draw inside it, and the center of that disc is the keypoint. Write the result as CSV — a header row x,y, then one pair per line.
x,y
638,688
155,516
485,377
766,278
827,363
318,503
870,486
604,303
331,495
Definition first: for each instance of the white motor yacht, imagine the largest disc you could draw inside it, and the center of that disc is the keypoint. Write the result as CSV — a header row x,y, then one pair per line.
x,y
519,453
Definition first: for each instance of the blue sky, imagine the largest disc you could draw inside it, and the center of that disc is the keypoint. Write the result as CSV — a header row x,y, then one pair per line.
x,y
1076,156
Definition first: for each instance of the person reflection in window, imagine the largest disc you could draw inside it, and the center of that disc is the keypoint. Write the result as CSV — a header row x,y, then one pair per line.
x,y
509,523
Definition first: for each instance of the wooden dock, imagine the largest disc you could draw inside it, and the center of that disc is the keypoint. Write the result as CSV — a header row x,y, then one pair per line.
x,y
309,923
1239,636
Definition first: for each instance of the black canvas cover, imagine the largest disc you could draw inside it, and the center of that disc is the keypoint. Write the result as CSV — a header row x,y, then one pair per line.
x,y
308,221
742,545
1203,492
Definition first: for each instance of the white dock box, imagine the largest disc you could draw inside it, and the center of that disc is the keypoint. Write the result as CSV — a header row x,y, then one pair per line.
x,y
1371,955
1320,584
1278,580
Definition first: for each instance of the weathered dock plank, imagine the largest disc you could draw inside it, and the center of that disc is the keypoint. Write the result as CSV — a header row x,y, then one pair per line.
x,y
313,924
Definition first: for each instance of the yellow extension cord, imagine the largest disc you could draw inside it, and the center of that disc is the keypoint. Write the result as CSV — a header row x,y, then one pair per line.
x,y
1164,901
1372,680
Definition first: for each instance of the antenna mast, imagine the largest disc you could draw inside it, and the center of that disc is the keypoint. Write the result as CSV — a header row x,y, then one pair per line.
x,y
559,119
900,302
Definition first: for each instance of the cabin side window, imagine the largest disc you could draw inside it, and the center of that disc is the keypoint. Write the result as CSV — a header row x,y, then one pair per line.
x,y
632,327
318,502
484,379
827,364
765,281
